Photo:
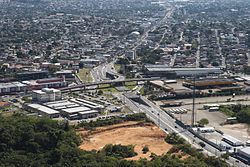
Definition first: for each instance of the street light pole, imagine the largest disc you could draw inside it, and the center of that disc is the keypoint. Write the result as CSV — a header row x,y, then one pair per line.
x,y
193,112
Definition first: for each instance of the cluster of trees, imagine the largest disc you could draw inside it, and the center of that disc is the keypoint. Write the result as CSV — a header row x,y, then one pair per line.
x,y
33,142
203,122
150,56
112,121
175,139
240,111
119,151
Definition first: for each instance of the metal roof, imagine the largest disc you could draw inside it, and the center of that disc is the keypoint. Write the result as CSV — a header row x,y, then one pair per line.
x,y
44,109
76,109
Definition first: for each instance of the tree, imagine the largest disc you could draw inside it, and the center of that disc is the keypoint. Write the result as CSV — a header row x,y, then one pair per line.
x,y
203,121
145,149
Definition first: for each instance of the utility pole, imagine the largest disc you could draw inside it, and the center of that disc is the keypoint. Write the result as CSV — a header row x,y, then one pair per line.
x,y
193,112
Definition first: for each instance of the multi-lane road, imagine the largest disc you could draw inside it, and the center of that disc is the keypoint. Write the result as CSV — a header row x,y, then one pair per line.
x,y
167,123
99,72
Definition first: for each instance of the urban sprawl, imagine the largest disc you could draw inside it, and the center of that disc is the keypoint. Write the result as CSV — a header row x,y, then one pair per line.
x,y
185,64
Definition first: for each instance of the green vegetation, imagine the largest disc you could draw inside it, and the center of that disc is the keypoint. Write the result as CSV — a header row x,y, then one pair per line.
x,y
130,85
27,141
150,56
240,111
173,138
227,111
203,121
108,88
145,149
118,68
197,157
225,156
119,151
114,120
85,75
34,142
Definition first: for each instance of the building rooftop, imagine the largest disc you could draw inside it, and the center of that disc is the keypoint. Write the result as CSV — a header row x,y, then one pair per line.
x,y
166,68
231,138
43,108
76,109
88,112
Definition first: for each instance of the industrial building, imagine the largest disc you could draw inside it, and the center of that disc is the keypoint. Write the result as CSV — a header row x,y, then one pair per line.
x,y
46,95
209,83
76,108
43,110
32,75
87,103
71,109
14,87
67,74
232,141
46,83
10,87
79,113
167,72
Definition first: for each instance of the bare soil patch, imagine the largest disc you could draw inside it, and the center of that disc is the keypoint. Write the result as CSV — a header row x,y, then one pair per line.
x,y
138,134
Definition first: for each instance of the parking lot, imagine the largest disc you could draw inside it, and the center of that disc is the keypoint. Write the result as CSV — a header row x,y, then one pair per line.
x,y
216,119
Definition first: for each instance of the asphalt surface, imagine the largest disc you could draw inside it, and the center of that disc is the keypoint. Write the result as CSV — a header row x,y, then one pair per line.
x,y
167,123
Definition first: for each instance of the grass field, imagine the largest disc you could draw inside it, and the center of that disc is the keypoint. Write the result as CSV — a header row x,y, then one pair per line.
x,y
130,85
107,88
85,75
117,67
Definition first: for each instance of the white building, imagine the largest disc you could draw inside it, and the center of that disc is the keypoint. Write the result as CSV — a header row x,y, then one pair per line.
x,y
232,141
43,110
46,95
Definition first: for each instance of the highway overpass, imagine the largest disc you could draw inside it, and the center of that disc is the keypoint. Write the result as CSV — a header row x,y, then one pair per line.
x,y
112,82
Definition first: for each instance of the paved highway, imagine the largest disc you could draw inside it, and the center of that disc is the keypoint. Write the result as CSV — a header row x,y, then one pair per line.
x,y
99,72
167,123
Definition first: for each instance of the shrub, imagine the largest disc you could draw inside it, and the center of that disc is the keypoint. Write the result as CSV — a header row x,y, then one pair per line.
x,y
145,149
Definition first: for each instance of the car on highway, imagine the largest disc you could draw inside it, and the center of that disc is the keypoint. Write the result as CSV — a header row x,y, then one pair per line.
x,y
199,149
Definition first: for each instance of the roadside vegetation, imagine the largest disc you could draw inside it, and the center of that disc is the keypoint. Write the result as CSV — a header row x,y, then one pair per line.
x,y
183,149
85,75
241,112
115,120
107,88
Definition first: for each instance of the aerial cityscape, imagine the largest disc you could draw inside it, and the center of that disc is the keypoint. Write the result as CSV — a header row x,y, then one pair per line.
x,y
125,83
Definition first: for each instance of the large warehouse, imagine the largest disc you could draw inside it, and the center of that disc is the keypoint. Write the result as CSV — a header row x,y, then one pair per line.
x,y
165,71
209,83
43,110
65,108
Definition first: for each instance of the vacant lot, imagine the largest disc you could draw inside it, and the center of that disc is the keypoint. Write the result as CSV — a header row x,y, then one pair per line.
x,y
240,131
129,133
85,75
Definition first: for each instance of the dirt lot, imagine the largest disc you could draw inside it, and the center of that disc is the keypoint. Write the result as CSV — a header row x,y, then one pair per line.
x,y
129,133
239,131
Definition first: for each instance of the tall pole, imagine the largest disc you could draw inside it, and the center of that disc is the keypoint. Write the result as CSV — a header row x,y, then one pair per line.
x,y
193,114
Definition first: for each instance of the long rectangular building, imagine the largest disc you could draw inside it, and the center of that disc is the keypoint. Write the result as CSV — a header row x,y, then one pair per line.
x,y
167,72
43,110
